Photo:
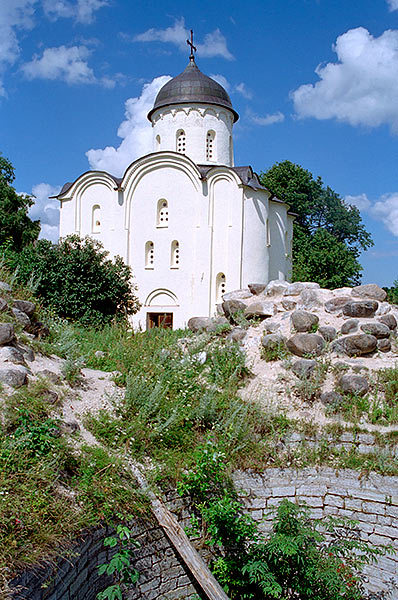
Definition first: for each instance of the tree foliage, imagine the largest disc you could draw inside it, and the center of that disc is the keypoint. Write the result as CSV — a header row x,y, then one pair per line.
x,y
16,228
328,233
76,279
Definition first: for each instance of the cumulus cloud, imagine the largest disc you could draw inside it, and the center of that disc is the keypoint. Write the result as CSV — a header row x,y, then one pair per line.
x,y
244,91
82,11
385,209
65,64
392,5
361,88
214,43
361,201
277,117
135,132
46,210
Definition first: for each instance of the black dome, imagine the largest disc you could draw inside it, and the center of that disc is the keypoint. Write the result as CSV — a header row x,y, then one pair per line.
x,y
192,86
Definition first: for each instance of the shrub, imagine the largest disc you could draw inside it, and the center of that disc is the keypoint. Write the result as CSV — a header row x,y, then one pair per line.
x,y
76,279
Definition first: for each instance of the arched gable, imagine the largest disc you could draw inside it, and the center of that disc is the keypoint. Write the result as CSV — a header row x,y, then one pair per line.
x,y
161,297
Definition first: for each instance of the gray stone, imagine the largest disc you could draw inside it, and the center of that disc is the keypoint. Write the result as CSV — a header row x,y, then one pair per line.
x,y
261,310
303,367
231,307
50,375
295,289
199,358
289,304
257,288
302,344
50,396
220,320
276,287
363,308
328,333
25,306
3,305
99,354
237,334
384,308
369,290
379,330
335,305
12,355
271,326
26,351
21,317
349,326
388,320
354,384
6,333
355,345
331,398
303,321
5,287
309,299
272,340
384,345
196,324
13,377
69,426
237,295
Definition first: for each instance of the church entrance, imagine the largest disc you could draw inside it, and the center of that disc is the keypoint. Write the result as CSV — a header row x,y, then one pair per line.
x,y
163,320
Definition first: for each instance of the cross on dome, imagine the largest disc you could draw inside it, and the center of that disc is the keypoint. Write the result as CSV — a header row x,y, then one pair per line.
x,y
193,48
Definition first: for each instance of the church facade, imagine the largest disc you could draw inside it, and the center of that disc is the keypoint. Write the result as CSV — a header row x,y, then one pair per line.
x,y
190,223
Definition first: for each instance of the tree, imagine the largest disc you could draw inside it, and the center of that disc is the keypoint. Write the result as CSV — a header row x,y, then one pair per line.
x,y
16,228
76,279
328,234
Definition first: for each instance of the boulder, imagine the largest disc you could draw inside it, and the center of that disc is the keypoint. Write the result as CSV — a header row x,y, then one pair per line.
x,y
3,305
302,344
388,320
303,367
69,426
261,310
257,288
25,306
13,377
271,327
5,287
231,307
331,398
289,304
237,335
363,308
384,308
335,305
50,375
303,321
237,295
295,289
328,333
379,330
6,333
310,299
25,350
355,345
369,290
384,345
349,326
11,355
49,396
276,287
21,317
272,340
196,324
354,384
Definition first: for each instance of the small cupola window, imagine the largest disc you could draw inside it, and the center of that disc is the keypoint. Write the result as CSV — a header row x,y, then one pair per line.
x,y
162,219
149,255
210,145
180,141
175,255
220,287
158,142
96,219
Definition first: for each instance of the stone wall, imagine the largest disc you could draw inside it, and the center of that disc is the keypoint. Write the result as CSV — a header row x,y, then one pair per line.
x,y
371,500
75,576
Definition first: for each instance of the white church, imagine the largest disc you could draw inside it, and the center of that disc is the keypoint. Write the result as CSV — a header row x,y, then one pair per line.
x,y
190,223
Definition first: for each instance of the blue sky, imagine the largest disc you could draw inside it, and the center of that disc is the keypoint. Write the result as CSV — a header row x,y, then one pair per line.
x,y
314,82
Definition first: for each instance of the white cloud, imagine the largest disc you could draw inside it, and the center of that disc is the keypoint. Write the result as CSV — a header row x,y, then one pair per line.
x,y
392,5
82,10
66,64
244,91
135,131
214,43
385,209
277,117
46,210
221,80
361,201
361,88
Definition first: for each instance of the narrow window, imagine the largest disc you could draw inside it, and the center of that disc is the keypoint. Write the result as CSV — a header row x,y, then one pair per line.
x,y
231,151
158,143
149,255
162,219
180,141
267,233
220,287
175,255
210,143
96,219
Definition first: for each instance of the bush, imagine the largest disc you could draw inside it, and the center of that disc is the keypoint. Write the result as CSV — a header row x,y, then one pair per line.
x,y
76,279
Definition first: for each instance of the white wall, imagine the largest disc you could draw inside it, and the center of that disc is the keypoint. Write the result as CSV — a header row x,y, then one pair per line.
x,y
255,263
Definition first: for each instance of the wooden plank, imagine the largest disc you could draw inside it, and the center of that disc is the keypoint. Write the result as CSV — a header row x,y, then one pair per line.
x,y
179,539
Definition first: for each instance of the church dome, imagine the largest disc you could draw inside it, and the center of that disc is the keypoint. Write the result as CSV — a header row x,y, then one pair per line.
x,y
192,87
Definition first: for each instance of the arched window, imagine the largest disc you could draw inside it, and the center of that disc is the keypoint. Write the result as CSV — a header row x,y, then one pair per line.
x,y
158,140
149,255
210,145
220,287
96,219
162,218
175,255
180,141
